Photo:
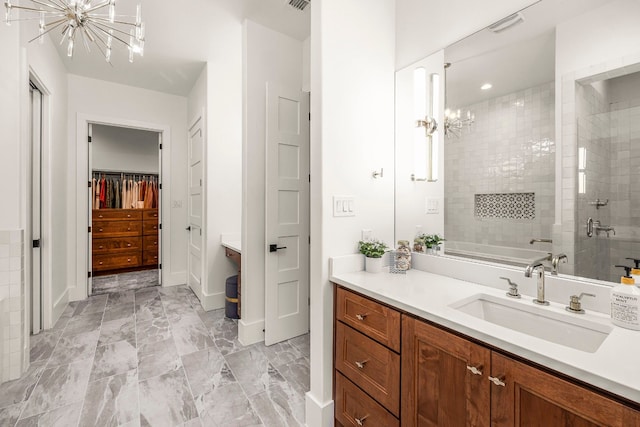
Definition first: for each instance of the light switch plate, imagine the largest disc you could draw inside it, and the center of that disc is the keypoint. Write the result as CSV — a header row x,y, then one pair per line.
x,y
433,206
344,206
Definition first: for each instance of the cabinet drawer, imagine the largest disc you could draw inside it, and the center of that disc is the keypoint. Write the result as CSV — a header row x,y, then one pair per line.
x,y
116,215
116,245
150,243
352,404
369,317
150,227
370,365
113,262
150,258
116,229
232,255
150,214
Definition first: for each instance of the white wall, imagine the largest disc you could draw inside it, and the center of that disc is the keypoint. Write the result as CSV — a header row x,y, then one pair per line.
x,y
411,197
269,56
47,68
122,149
424,27
352,133
90,98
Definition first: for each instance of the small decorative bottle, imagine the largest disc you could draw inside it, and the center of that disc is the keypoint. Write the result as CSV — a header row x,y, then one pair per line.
x,y
403,256
418,241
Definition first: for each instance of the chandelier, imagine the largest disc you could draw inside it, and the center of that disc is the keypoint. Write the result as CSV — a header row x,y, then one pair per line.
x,y
87,21
455,122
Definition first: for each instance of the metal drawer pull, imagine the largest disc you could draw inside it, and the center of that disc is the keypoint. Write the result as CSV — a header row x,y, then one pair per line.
x,y
128,259
498,380
100,262
128,216
100,229
129,244
100,247
360,365
475,370
360,421
361,316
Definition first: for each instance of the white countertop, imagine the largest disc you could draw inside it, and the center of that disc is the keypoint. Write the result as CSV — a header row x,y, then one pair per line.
x,y
614,367
235,244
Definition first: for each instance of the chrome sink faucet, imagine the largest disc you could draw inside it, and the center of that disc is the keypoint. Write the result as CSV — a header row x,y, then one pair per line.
x,y
537,265
555,261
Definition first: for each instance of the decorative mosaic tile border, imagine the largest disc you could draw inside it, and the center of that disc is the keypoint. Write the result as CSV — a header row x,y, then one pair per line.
x,y
505,205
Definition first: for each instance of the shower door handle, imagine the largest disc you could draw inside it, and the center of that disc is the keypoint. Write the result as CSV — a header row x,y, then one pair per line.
x,y
590,227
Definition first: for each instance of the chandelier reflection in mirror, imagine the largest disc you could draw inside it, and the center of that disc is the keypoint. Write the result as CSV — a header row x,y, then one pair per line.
x,y
454,121
87,21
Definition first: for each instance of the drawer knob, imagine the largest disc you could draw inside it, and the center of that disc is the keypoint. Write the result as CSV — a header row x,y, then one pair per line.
x,y
129,244
128,216
128,259
100,263
99,229
155,243
361,316
499,380
360,365
360,421
100,247
128,229
99,216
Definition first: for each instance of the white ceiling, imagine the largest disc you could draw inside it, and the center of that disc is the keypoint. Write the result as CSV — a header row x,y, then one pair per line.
x,y
520,57
180,37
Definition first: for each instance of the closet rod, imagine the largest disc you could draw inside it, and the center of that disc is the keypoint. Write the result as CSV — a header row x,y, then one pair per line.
x,y
112,172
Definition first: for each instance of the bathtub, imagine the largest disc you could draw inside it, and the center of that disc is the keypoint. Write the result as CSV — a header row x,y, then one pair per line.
x,y
502,254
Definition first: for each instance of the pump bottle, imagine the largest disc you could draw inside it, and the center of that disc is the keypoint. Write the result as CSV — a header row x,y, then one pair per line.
x,y
625,302
635,272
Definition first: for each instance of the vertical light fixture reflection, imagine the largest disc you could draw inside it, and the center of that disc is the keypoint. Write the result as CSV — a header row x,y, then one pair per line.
x,y
582,170
433,137
419,134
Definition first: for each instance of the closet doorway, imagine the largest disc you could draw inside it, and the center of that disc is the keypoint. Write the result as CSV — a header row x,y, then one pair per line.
x,y
124,208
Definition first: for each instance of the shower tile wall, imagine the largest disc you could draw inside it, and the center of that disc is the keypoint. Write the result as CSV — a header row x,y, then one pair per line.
x,y
592,253
12,314
509,149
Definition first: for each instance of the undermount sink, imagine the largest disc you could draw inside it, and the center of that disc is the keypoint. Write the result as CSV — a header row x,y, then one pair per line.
x,y
568,330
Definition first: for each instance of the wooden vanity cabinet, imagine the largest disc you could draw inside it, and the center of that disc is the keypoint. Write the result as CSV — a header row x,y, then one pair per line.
x,y
449,380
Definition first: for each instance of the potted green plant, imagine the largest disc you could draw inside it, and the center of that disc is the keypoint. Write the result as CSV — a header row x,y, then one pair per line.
x,y
432,242
373,250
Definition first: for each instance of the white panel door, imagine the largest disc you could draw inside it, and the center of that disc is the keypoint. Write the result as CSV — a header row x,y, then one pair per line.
x,y
36,264
195,200
287,214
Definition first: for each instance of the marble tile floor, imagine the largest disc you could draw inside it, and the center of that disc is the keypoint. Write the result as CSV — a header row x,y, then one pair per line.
x,y
130,281
153,357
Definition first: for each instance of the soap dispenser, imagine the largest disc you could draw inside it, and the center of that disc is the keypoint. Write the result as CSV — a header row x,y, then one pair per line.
x,y
635,272
625,302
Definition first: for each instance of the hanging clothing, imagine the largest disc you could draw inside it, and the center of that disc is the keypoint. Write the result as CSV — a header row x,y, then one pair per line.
x,y
123,191
103,193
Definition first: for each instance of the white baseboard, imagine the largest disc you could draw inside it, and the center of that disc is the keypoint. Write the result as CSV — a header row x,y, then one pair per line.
x,y
318,414
59,306
212,301
250,333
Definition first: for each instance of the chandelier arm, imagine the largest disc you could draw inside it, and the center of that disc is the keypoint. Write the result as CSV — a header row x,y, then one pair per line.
x,y
55,25
97,37
51,5
84,39
98,27
98,6
97,18
34,18
32,9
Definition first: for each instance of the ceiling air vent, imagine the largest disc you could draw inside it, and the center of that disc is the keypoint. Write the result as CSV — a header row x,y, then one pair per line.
x,y
506,23
298,4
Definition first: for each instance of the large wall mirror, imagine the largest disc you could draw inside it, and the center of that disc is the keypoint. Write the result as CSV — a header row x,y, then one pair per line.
x,y
540,140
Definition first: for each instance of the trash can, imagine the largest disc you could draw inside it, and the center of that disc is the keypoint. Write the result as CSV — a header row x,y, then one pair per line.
x,y
231,293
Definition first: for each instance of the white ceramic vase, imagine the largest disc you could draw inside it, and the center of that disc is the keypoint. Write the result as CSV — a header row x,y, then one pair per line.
x,y
373,265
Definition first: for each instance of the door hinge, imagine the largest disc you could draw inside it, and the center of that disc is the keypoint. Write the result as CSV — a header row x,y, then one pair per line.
x,y
159,266
309,116
161,146
309,300
309,177
89,229
160,186
89,138
309,239
159,226
89,184
36,243
88,274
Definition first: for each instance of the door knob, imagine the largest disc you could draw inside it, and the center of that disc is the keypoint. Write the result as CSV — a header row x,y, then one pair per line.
x,y
275,247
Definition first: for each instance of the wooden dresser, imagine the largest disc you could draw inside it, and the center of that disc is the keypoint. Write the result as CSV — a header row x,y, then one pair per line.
x,y
124,240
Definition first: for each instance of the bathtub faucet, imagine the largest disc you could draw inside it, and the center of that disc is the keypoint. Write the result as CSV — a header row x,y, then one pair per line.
x,y
532,241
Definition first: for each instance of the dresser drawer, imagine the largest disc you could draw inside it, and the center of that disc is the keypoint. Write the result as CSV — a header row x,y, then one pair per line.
x,y
150,243
352,404
370,365
102,229
113,262
150,214
116,215
150,227
232,255
150,258
116,245
369,317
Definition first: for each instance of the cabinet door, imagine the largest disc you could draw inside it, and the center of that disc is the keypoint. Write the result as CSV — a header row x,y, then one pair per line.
x,y
444,378
531,397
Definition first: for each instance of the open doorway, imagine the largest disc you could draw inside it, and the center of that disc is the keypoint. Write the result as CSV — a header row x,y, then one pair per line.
x,y
124,208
